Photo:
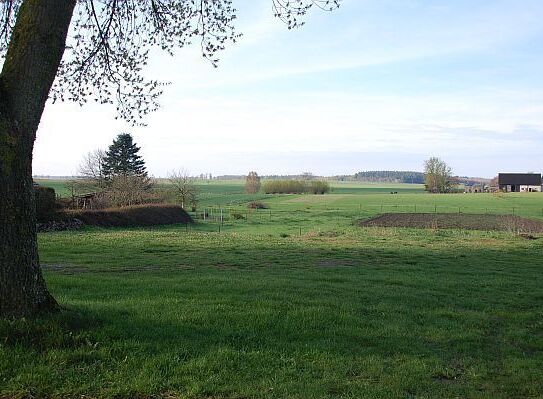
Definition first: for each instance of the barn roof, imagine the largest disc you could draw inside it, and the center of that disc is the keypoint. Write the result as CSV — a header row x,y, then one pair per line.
x,y
525,179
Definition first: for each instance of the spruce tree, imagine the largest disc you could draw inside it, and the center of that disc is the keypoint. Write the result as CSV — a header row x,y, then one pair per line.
x,y
122,158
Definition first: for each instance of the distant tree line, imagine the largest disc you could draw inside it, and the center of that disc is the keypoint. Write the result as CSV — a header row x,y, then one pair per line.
x,y
300,176
390,176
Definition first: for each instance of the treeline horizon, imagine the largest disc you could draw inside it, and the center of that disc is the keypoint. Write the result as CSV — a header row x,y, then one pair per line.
x,y
377,176
373,176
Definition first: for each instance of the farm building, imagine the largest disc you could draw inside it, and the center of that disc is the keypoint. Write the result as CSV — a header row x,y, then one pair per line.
x,y
476,188
519,182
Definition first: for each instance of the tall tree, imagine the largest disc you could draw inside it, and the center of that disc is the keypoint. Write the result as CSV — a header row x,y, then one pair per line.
x,y
32,60
123,159
103,60
437,176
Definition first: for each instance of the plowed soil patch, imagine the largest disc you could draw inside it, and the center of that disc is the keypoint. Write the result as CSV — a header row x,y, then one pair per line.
x,y
510,223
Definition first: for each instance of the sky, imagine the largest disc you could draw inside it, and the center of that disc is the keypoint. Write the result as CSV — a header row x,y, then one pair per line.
x,y
375,85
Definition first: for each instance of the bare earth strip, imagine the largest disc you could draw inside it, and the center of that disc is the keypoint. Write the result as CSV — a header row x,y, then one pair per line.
x,y
510,223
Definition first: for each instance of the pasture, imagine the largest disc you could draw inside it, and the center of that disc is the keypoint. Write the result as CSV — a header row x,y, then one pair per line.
x,y
293,301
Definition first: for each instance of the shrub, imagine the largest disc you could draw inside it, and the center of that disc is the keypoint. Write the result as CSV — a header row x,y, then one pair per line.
x,y
296,187
237,216
257,205
45,199
284,187
129,190
132,216
319,187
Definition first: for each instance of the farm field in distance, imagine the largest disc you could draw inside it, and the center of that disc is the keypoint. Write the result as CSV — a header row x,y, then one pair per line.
x,y
293,301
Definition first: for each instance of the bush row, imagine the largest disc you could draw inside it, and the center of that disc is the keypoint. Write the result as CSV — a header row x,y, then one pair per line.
x,y
296,187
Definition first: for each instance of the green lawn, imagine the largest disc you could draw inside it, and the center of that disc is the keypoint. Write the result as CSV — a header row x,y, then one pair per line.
x,y
292,302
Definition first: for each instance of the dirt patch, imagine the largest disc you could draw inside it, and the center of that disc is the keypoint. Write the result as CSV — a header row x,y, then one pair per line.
x,y
513,224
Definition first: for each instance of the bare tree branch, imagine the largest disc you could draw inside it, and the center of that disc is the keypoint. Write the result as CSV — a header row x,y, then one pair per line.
x,y
110,43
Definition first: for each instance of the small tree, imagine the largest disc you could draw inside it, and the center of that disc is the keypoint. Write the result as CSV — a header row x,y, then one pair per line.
x,y
252,183
122,158
437,176
92,168
184,188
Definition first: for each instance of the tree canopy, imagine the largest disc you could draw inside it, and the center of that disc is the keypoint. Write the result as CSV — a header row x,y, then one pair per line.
x,y
109,44
123,159
438,176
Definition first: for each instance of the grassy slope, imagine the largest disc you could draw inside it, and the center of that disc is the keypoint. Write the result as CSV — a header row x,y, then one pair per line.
x,y
58,185
337,311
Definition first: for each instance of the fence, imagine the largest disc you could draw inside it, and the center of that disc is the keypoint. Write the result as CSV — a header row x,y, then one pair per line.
x,y
219,214
434,208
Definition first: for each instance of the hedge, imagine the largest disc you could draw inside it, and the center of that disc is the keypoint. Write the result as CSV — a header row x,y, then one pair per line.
x,y
296,187
132,216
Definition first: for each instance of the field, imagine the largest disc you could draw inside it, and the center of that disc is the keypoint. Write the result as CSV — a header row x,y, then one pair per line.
x,y
294,301
513,224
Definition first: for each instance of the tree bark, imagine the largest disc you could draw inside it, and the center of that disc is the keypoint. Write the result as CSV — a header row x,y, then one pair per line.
x,y
32,60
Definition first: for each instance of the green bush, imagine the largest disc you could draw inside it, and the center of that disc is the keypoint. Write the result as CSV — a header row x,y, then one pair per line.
x,y
257,205
237,216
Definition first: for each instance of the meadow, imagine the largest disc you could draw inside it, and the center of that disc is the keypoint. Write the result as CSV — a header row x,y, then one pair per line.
x,y
293,301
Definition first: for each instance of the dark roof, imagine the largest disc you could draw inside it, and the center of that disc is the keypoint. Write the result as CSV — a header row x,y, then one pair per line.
x,y
525,179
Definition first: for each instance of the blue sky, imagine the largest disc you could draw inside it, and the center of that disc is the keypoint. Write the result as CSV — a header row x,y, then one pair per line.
x,y
377,84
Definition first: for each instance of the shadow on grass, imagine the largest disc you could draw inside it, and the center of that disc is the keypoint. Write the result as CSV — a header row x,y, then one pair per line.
x,y
402,319
66,329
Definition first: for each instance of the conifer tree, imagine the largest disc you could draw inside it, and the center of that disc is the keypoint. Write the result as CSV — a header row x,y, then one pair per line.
x,y
122,158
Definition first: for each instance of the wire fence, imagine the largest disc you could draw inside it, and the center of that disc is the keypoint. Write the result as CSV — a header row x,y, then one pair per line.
x,y
223,214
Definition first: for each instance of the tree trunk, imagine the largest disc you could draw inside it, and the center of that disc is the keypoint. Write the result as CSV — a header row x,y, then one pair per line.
x,y
30,67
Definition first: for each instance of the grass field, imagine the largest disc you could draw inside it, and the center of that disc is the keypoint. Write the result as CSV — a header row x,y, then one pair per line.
x,y
295,301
